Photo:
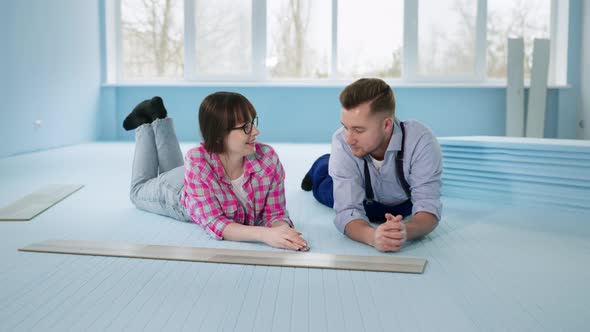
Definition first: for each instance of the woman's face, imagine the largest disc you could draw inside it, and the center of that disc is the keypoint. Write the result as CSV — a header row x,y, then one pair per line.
x,y
241,140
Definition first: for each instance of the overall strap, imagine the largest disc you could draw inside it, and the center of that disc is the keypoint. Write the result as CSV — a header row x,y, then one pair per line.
x,y
368,186
399,164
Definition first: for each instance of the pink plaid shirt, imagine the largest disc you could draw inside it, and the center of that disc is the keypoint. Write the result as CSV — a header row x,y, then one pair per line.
x,y
210,201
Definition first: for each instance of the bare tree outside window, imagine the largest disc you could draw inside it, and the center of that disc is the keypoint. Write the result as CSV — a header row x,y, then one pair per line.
x,y
446,37
528,19
370,38
152,39
298,38
223,37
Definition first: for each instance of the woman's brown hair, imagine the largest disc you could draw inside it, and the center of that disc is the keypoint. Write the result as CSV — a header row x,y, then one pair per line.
x,y
218,113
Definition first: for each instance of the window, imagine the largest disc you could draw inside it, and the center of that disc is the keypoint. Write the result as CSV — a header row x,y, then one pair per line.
x,y
370,38
298,38
319,40
446,37
152,41
223,38
528,19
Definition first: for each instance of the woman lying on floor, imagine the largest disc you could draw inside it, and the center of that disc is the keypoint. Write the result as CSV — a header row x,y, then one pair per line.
x,y
230,184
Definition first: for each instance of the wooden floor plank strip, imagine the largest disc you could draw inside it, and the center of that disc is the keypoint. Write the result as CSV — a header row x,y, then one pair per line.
x,y
35,203
232,256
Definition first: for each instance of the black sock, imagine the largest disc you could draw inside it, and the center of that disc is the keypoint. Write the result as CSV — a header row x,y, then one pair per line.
x,y
307,184
145,112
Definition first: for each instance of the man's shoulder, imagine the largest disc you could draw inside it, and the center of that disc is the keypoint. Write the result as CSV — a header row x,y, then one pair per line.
x,y
339,141
338,134
416,128
419,138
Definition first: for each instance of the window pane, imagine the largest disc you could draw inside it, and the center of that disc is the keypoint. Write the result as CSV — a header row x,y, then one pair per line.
x,y
298,38
446,37
528,19
370,35
152,39
223,37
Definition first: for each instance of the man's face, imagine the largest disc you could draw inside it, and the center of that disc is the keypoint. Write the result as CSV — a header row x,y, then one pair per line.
x,y
364,131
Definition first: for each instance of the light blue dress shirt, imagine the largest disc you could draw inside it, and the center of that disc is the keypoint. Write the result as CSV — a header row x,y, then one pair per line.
x,y
422,169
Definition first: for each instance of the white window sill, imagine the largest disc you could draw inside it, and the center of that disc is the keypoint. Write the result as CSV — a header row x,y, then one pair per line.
x,y
316,84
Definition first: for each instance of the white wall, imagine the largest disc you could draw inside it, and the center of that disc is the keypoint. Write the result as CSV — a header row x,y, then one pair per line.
x,y
584,114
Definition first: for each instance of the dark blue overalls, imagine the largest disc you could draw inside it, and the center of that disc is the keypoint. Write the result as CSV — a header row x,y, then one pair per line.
x,y
323,187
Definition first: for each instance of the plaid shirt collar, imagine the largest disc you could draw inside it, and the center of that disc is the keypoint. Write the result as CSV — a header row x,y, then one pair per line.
x,y
252,164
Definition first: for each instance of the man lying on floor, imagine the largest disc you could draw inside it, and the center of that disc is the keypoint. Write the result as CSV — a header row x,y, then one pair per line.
x,y
380,170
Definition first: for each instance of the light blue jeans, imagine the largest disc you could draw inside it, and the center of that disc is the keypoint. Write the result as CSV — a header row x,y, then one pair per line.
x,y
157,178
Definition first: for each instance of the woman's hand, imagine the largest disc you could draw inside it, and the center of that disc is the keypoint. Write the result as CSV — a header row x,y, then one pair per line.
x,y
280,235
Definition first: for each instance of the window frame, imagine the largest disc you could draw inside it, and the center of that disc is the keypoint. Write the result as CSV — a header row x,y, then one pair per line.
x,y
409,76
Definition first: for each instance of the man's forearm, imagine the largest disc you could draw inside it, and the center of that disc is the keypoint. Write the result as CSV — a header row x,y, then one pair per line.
x,y
421,224
360,231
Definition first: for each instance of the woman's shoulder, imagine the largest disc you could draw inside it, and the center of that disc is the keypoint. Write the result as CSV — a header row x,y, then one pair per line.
x,y
197,158
265,160
197,154
266,152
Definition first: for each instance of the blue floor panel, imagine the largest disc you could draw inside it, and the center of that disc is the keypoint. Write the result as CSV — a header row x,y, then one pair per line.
x,y
497,262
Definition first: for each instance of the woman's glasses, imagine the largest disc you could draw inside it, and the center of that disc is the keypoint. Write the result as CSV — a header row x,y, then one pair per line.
x,y
247,127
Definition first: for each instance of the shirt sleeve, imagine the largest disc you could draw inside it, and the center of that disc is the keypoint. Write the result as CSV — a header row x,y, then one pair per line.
x,y
275,205
425,173
349,191
203,206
